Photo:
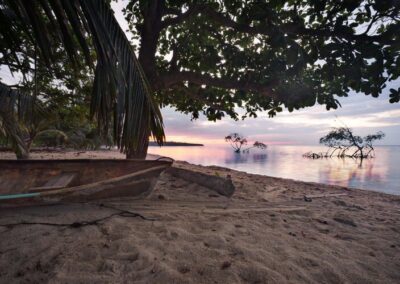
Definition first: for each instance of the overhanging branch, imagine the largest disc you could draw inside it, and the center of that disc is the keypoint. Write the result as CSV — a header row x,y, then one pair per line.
x,y
196,95
168,80
180,17
291,29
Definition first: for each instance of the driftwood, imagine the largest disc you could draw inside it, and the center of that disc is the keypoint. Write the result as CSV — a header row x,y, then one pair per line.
x,y
223,186
311,196
260,209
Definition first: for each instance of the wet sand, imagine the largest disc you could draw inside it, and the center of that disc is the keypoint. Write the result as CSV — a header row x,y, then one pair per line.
x,y
184,233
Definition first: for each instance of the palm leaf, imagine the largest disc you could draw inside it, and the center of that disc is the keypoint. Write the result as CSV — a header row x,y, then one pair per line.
x,y
135,114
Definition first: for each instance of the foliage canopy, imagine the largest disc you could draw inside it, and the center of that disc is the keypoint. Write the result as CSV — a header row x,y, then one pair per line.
x,y
208,56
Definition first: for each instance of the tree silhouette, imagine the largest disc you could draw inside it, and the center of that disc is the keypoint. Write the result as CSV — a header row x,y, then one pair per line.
x,y
237,141
342,142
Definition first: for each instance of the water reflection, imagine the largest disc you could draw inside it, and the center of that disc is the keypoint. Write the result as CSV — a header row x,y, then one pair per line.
x,y
260,158
351,173
380,173
245,158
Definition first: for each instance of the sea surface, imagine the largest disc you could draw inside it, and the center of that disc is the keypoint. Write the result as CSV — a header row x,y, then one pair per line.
x,y
381,173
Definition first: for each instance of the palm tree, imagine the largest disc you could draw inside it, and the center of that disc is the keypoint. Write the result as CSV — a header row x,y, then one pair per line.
x,y
23,119
121,93
16,108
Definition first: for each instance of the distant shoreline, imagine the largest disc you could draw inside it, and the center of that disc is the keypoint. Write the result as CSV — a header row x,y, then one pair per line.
x,y
172,143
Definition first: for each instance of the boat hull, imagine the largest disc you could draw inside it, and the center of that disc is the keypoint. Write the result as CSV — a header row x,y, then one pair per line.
x,y
92,179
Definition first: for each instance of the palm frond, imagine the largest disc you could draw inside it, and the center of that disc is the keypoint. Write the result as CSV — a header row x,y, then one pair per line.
x,y
135,114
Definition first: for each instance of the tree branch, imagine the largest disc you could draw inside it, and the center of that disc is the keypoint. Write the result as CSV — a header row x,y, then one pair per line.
x,y
198,97
293,29
180,17
169,79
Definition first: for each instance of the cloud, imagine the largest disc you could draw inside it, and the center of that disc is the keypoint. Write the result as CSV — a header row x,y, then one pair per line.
x,y
362,113
367,120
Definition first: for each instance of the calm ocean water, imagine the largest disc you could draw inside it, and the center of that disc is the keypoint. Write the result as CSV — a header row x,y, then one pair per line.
x,y
381,173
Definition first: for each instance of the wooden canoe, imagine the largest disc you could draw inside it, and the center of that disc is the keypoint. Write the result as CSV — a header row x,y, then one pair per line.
x,y
26,181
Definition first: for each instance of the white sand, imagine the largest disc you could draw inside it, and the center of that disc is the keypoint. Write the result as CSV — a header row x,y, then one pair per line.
x,y
265,233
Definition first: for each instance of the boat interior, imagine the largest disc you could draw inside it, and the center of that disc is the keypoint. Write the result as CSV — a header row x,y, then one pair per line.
x,y
22,176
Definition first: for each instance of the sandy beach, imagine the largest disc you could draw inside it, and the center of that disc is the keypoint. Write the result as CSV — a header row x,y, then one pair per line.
x,y
185,233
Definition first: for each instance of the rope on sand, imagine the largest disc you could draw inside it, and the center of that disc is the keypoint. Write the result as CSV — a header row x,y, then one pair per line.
x,y
121,213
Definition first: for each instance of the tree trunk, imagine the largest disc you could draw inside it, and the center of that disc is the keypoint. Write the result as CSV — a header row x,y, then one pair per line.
x,y
14,132
20,147
21,153
141,151
149,36
149,33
